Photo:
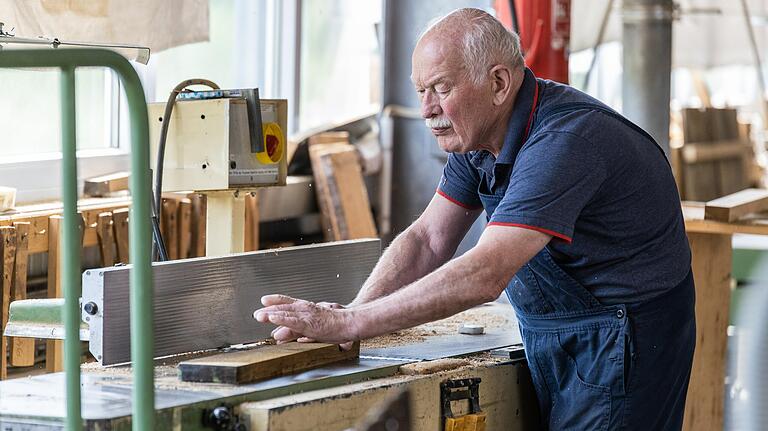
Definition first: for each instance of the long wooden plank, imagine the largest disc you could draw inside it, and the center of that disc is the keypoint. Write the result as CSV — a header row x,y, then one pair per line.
x,y
22,349
120,220
734,206
263,362
8,254
54,349
105,233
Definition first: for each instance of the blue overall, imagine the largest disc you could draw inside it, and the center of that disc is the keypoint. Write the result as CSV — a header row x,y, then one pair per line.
x,y
598,367
606,309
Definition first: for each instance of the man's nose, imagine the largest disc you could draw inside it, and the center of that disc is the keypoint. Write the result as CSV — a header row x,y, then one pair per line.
x,y
429,105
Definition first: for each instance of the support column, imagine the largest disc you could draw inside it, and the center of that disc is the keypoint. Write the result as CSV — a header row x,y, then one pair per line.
x,y
647,62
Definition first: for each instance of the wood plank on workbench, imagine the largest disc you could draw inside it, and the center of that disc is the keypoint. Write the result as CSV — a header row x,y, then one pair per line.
x,y
263,362
734,206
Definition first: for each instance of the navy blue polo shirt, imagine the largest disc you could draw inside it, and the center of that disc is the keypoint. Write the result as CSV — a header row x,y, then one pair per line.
x,y
575,169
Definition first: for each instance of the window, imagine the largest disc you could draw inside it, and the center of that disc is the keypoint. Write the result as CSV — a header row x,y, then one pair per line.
x,y
340,60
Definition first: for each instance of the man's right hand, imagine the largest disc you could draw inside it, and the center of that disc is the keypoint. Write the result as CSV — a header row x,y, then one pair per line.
x,y
282,334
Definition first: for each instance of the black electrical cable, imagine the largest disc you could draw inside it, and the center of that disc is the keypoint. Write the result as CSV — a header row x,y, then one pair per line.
x,y
159,246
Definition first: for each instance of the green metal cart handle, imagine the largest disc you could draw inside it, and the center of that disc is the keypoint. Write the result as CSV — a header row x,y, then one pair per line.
x,y
142,318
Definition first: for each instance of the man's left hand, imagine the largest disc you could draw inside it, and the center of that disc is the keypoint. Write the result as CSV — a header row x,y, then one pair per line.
x,y
324,322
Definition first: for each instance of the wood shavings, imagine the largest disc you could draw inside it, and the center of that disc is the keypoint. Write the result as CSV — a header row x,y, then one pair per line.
x,y
493,316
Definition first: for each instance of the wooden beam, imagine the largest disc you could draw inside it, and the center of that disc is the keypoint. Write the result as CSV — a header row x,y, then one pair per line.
x,y
22,349
251,222
711,264
263,362
105,233
8,255
120,220
106,185
732,207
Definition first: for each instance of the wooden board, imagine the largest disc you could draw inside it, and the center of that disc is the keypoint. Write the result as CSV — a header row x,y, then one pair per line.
x,y
711,265
734,206
170,228
120,220
199,208
7,254
105,234
54,349
263,362
22,349
106,185
185,227
341,192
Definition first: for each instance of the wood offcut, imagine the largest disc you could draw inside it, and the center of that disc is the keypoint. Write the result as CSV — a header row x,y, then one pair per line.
x,y
734,206
263,362
341,192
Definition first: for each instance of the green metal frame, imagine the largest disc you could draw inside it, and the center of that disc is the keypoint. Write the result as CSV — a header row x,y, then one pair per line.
x,y
142,318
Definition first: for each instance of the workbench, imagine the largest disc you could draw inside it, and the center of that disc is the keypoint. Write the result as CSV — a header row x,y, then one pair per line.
x,y
712,263
328,398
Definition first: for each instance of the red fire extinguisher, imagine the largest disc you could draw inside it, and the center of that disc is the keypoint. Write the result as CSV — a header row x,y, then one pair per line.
x,y
544,27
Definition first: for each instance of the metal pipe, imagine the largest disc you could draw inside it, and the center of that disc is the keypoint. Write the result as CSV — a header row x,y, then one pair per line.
x,y
71,245
142,318
647,62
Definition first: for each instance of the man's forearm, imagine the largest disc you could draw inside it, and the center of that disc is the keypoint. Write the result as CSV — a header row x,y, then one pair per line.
x,y
460,284
407,259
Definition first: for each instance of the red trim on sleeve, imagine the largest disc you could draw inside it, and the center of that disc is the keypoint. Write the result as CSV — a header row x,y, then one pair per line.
x,y
461,204
536,228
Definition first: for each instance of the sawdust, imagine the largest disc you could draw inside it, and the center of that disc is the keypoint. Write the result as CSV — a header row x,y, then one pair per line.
x,y
490,316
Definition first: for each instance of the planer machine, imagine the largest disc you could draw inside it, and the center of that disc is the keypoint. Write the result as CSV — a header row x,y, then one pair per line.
x,y
206,304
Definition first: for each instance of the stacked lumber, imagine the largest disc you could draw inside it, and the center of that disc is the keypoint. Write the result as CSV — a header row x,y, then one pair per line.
x,y
716,158
341,193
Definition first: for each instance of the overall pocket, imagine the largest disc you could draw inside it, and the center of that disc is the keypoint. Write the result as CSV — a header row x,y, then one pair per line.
x,y
584,368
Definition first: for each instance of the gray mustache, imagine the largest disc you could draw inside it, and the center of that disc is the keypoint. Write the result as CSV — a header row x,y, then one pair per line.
x,y
437,123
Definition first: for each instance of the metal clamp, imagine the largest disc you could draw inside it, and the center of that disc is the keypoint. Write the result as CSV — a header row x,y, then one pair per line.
x,y
457,390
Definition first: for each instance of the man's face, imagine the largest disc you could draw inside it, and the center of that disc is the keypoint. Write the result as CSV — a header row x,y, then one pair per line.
x,y
455,109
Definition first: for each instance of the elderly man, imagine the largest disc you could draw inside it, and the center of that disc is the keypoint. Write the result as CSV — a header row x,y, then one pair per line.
x,y
585,235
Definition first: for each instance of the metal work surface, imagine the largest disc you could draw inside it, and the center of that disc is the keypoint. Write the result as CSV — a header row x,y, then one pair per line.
x,y
106,396
446,346
207,303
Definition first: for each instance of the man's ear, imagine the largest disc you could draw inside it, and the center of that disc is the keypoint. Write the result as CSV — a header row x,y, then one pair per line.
x,y
501,80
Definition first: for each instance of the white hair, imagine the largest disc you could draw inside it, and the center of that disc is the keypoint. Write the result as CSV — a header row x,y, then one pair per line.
x,y
486,42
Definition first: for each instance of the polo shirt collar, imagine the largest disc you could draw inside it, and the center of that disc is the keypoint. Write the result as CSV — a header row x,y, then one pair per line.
x,y
516,128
